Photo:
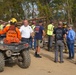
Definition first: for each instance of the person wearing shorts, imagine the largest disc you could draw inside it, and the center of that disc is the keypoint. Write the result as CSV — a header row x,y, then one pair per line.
x,y
39,33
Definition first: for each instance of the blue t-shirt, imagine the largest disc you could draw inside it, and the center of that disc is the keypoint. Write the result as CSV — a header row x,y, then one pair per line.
x,y
39,32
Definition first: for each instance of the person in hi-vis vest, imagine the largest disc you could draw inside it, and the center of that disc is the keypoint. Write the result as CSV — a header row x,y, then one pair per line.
x,y
50,29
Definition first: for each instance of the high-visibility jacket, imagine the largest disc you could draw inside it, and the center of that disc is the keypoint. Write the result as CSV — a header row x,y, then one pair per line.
x,y
9,38
50,29
7,25
1,27
33,26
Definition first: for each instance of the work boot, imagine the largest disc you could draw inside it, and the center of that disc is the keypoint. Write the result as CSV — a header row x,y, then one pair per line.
x,y
69,58
55,61
72,57
61,61
38,56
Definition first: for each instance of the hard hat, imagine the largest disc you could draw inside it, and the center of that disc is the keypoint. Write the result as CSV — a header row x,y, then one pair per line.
x,y
13,20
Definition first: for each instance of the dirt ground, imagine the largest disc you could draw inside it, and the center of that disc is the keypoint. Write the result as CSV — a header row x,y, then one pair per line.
x,y
43,66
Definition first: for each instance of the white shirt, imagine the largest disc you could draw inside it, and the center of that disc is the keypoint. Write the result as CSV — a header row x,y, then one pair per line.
x,y
26,31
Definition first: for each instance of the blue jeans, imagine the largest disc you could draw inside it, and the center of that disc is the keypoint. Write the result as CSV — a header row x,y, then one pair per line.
x,y
31,43
70,45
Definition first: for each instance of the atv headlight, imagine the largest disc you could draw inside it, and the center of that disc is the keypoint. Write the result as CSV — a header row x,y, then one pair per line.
x,y
8,53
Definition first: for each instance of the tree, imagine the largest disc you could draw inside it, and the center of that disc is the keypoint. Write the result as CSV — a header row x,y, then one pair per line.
x,y
55,9
74,11
63,9
44,9
11,9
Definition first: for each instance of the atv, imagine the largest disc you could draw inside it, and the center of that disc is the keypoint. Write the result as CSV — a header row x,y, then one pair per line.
x,y
17,53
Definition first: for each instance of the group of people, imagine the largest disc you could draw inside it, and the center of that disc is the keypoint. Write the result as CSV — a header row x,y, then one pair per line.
x,y
64,37
35,33
24,34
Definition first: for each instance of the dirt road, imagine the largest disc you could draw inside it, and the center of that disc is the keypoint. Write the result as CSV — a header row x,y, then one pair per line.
x,y
44,66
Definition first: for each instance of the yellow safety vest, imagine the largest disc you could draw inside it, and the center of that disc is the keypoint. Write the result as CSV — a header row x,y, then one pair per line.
x,y
7,25
50,29
33,26
1,27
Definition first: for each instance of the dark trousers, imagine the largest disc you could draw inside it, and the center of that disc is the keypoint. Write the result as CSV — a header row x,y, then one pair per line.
x,y
50,41
59,47
25,40
70,45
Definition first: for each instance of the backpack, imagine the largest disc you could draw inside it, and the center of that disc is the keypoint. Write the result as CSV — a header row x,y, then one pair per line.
x,y
59,34
11,35
37,28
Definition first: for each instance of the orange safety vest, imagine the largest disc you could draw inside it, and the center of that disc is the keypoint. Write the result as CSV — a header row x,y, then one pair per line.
x,y
12,34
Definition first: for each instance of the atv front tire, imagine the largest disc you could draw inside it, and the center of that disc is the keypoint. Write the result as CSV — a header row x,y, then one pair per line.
x,y
2,62
26,59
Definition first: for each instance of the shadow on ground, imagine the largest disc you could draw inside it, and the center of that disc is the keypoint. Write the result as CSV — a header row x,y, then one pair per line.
x,y
47,56
50,57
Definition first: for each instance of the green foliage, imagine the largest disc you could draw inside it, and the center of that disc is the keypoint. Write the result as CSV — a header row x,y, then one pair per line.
x,y
68,6
46,8
11,8
74,11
